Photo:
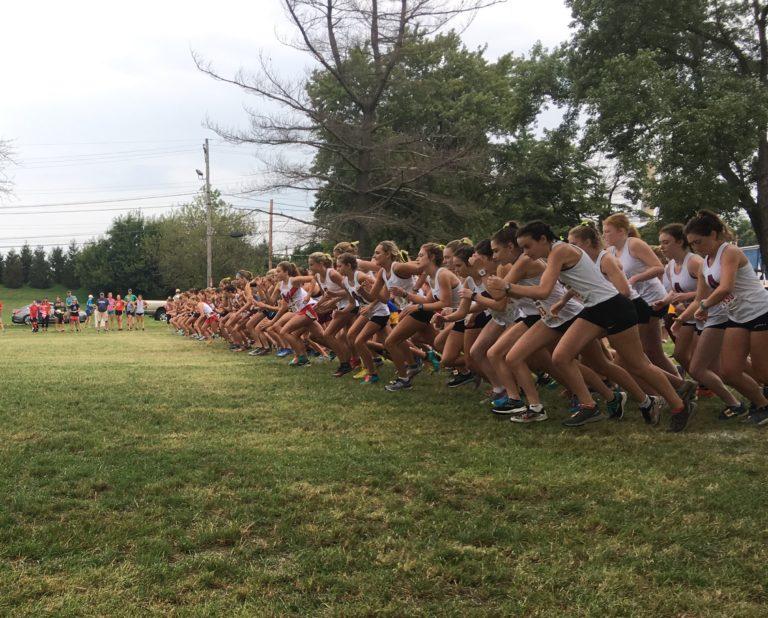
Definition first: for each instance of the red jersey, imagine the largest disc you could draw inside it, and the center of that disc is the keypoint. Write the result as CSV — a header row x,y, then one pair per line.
x,y
33,311
45,309
119,305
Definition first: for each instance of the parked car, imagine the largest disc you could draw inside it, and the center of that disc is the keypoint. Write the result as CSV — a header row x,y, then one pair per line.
x,y
21,316
155,308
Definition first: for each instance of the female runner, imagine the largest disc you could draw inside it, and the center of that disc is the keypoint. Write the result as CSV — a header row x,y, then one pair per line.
x,y
606,313
734,282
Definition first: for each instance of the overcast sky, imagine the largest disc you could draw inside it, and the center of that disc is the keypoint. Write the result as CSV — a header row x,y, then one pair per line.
x,y
103,102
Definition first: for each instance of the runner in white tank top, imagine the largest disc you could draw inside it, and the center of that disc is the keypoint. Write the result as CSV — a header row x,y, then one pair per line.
x,y
728,270
606,312
748,299
643,270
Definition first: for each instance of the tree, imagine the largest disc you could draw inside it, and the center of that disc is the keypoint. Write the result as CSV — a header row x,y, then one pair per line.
x,y
358,48
683,105
13,274
2,267
69,276
40,274
58,262
179,245
92,268
130,264
26,261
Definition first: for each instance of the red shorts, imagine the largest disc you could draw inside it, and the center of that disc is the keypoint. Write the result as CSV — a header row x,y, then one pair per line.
x,y
214,317
74,318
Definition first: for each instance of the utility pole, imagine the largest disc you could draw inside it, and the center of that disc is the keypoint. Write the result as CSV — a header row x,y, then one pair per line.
x,y
209,224
271,211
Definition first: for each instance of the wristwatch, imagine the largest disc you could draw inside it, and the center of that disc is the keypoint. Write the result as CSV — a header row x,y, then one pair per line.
x,y
702,306
420,307
507,288
474,296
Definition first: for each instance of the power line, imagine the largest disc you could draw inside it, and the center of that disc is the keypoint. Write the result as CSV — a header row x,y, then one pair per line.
x,y
67,212
81,203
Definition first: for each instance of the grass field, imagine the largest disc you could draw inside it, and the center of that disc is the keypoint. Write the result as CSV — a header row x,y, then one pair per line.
x,y
142,473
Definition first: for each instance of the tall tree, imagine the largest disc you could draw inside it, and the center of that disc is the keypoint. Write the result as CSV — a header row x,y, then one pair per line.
x,y
179,245
69,276
26,261
13,275
681,101
359,46
40,274
57,261
2,267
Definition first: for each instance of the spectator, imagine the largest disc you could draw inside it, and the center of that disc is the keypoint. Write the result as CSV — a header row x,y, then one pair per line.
x,y
34,313
74,315
45,314
68,299
111,310
59,311
102,313
119,309
2,326
130,308
140,306
88,310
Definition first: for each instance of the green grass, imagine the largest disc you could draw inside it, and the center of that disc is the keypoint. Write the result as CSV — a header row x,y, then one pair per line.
x,y
147,474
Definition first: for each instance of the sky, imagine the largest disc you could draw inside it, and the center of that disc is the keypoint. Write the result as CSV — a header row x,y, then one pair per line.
x,y
106,111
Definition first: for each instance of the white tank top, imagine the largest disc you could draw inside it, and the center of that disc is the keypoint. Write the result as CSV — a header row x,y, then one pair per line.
x,y
378,308
633,293
434,285
651,290
681,282
328,285
527,306
392,279
586,280
749,298
297,298
571,309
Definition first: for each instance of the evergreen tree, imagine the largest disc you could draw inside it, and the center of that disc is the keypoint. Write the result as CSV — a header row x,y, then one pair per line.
x,y
2,266
58,262
26,262
40,275
13,275
69,276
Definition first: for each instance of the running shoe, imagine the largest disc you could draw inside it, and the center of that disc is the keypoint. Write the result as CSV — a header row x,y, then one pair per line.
x,y
460,380
543,379
510,407
584,415
400,384
371,378
360,374
434,360
652,413
678,421
500,400
343,370
378,361
531,416
265,352
283,352
759,417
731,412
255,352
416,368
615,407
687,391
300,361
